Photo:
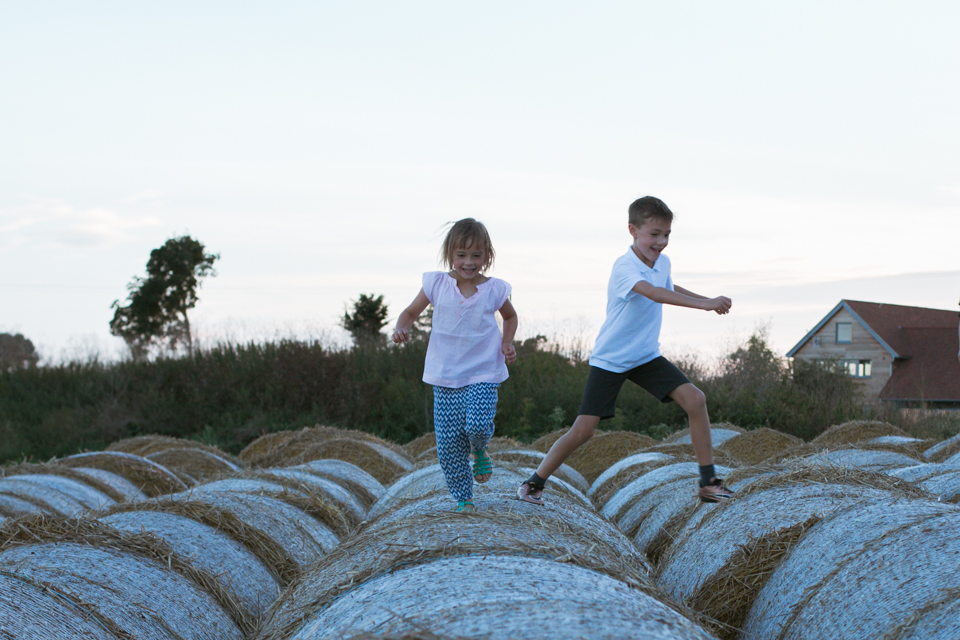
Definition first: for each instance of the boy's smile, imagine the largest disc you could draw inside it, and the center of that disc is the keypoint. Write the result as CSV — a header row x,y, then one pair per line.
x,y
650,239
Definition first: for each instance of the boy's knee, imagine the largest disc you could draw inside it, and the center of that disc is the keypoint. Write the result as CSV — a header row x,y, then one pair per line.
x,y
583,430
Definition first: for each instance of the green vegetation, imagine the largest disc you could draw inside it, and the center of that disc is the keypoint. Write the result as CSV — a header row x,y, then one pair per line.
x,y
230,394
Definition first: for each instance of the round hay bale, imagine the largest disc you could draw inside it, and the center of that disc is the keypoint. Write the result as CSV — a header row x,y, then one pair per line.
x,y
420,444
295,447
531,458
101,485
867,459
658,507
141,596
946,486
83,493
238,570
350,476
854,432
623,471
570,602
921,472
502,443
943,450
953,460
264,447
115,486
31,610
342,498
14,507
151,478
544,442
685,451
380,461
302,536
762,508
822,552
45,499
895,568
197,463
755,446
144,446
719,433
604,449
618,504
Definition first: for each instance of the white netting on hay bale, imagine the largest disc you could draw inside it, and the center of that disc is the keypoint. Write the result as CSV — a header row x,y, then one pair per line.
x,y
30,611
335,492
570,602
945,487
660,505
954,459
233,565
920,472
894,440
532,458
350,474
45,499
119,484
140,596
149,477
938,619
12,506
705,550
621,501
934,452
880,588
196,463
629,462
868,459
86,495
305,538
824,550
718,435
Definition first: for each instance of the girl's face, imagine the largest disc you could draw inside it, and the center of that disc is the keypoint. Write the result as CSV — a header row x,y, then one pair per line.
x,y
468,260
649,239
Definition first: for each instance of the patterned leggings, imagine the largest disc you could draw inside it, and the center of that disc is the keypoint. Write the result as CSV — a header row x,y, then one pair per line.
x,y
463,419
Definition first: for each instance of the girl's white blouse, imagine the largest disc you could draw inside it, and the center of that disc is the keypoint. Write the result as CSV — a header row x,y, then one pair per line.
x,y
465,340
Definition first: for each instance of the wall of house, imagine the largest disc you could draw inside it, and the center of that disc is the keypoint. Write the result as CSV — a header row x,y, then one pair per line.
x,y
862,347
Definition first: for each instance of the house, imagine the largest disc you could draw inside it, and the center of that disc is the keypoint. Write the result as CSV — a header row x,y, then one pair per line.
x,y
903,355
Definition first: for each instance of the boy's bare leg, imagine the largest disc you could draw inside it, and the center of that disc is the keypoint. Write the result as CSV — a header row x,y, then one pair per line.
x,y
694,403
581,431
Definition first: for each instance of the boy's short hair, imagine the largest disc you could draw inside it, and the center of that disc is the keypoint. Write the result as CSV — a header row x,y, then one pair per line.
x,y
467,233
647,208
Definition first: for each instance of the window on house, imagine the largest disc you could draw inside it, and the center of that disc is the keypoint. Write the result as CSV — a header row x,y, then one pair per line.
x,y
858,368
844,333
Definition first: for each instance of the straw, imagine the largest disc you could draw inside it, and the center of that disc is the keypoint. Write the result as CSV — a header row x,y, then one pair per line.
x,y
532,458
109,484
146,445
43,498
604,449
854,432
753,447
197,463
860,458
623,472
148,476
420,444
943,450
363,485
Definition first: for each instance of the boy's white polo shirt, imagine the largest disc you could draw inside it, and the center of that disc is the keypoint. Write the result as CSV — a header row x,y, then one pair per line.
x,y
630,336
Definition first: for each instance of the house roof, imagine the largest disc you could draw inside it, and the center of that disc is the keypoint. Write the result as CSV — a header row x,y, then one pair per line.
x,y
925,341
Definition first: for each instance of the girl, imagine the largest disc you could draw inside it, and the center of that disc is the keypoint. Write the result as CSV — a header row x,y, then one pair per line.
x,y
466,356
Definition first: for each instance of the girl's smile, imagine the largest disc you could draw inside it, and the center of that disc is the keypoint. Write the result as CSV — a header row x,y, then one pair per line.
x,y
650,239
468,261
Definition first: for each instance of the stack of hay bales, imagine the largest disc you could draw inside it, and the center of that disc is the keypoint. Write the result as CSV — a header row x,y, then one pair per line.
x,y
92,579
709,564
383,460
54,489
403,573
146,475
191,461
939,478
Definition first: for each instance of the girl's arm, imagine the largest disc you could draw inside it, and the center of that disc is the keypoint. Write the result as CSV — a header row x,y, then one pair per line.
x,y
683,298
408,316
510,322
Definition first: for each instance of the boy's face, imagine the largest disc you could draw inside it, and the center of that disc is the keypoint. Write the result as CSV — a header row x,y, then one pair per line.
x,y
649,239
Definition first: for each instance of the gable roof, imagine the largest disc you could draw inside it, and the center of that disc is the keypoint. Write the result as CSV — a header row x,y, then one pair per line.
x,y
887,322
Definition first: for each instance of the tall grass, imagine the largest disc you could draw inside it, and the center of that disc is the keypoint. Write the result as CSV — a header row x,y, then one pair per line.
x,y
229,394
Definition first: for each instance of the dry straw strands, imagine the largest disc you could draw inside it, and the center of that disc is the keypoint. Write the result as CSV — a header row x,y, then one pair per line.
x,y
235,567
854,432
943,450
603,449
863,573
753,447
332,491
571,602
148,476
531,458
146,445
420,444
363,485
196,463
288,448
134,580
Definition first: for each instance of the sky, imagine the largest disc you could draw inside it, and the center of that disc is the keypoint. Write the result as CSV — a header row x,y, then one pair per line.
x,y
809,152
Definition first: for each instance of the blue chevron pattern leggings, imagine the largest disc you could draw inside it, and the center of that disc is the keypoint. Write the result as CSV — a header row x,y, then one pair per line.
x,y
463,420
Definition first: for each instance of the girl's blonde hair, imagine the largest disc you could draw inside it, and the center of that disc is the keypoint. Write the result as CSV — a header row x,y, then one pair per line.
x,y
467,233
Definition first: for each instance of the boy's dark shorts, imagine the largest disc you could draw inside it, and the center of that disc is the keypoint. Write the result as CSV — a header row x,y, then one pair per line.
x,y
659,377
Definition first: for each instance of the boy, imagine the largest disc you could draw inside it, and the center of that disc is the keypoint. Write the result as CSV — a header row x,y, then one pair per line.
x,y
628,347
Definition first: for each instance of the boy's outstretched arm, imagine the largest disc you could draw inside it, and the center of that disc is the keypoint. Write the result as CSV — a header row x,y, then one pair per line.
x,y
408,316
680,297
510,323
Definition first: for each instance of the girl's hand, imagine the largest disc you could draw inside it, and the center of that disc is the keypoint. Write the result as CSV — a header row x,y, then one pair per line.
x,y
400,335
509,353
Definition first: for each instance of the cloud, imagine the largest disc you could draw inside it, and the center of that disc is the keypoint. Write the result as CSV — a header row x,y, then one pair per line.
x,y
56,223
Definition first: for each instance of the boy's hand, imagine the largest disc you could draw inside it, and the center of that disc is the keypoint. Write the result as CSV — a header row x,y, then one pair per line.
x,y
720,304
509,353
400,335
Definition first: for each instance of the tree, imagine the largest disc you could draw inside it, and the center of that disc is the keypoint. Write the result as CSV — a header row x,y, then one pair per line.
x,y
368,318
16,352
158,304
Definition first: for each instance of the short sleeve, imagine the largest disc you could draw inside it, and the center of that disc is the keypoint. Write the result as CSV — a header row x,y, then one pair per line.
x,y
625,277
503,292
431,283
